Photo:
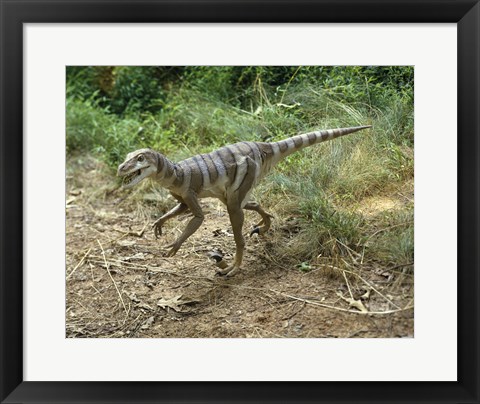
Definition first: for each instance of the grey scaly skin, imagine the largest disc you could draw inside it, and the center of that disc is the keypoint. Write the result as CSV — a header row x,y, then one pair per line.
x,y
229,174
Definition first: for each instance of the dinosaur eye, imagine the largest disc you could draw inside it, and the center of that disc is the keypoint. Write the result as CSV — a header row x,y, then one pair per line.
x,y
140,158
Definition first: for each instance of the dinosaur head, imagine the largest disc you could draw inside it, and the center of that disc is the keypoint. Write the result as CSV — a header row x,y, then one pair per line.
x,y
138,165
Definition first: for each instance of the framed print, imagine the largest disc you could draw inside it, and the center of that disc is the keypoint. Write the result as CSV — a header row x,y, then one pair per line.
x,y
345,293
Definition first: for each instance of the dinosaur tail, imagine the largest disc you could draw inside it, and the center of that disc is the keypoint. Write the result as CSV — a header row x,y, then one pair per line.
x,y
295,143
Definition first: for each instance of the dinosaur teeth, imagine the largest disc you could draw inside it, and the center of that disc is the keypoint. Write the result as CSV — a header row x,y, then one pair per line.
x,y
129,178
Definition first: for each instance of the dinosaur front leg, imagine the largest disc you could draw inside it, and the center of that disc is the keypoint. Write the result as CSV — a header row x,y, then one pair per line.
x,y
192,226
177,210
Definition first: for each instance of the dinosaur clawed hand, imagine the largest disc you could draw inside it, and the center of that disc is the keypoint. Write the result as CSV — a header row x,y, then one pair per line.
x,y
223,268
255,230
157,228
262,226
174,247
259,229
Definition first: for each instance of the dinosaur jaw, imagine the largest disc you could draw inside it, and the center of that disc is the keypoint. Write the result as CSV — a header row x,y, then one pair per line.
x,y
136,174
134,178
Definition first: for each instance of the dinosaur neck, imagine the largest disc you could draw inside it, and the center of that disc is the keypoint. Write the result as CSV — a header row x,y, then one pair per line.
x,y
166,173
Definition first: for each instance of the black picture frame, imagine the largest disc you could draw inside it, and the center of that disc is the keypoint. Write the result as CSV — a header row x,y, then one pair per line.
x,y
14,13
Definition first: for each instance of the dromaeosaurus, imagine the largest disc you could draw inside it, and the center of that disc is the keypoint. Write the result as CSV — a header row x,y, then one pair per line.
x,y
229,174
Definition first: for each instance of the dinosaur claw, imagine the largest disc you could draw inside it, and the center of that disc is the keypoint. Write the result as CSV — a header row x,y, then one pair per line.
x,y
228,271
170,253
173,250
256,230
157,229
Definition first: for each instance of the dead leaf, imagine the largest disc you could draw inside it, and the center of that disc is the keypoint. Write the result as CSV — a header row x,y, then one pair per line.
x,y
138,303
137,256
353,303
144,306
151,198
366,295
70,200
221,232
174,302
146,325
358,305
126,243
385,273
133,297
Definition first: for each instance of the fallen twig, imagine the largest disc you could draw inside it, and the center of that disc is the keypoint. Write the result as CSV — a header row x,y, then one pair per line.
x,y
111,277
339,308
133,233
387,228
370,286
80,263
295,312
348,284
353,303
399,266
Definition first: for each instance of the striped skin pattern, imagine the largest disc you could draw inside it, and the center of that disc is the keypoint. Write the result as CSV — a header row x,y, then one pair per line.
x,y
229,174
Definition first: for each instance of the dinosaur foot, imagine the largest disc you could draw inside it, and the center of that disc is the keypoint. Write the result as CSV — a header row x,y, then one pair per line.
x,y
228,271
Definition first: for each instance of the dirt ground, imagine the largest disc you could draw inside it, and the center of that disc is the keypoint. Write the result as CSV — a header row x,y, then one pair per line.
x,y
119,284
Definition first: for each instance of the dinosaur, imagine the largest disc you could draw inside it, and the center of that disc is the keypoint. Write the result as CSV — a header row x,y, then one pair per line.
x,y
229,174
